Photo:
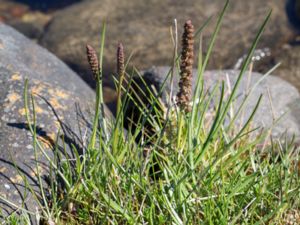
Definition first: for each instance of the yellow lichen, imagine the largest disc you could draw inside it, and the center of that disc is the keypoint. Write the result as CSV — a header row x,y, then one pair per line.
x,y
34,172
55,104
58,93
11,99
57,124
61,94
16,179
37,89
22,112
51,91
16,77
38,110
2,169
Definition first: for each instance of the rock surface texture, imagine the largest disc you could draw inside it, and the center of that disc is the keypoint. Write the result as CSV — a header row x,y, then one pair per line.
x,y
62,103
289,69
279,97
143,27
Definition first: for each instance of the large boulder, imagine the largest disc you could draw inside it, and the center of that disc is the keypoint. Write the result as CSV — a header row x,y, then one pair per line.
x,y
31,24
63,102
11,10
279,97
21,16
144,30
289,59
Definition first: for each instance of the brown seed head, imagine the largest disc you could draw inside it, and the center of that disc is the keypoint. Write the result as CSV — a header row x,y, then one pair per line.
x,y
121,62
184,95
93,60
121,73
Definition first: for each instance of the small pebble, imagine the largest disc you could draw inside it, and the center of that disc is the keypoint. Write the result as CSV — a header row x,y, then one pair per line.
x,y
7,187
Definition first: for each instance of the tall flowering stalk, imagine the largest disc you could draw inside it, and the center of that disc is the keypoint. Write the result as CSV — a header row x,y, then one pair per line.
x,y
95,68
93,60
121,73
184,95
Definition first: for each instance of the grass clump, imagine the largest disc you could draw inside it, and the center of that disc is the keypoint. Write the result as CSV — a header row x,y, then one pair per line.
x,y
191,164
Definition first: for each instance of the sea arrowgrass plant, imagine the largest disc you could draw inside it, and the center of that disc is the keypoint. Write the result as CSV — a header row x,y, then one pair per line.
x,y
93,60
95,68
121,73
186,68
211,169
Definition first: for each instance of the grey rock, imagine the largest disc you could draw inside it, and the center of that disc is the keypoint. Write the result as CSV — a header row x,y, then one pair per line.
x,y
143,27
28,59
63,102
279,97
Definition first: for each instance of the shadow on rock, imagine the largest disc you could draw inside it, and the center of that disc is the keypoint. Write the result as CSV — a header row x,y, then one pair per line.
x,y
47,5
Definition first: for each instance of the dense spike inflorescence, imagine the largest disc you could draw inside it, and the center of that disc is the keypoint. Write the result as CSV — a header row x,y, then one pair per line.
x,y
93,60
184,95
121,71
121,60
